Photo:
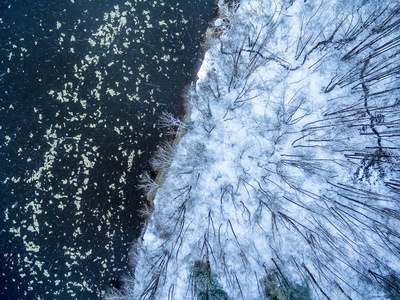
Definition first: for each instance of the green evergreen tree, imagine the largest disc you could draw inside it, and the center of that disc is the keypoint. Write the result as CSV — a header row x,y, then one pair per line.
x,y
392,287
206,283
274,289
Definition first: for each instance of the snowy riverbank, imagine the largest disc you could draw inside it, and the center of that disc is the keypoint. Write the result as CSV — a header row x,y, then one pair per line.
x,y
286,183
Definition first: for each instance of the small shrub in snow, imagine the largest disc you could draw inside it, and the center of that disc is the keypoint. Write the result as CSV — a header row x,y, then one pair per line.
x,y
173,125
148,184
163,156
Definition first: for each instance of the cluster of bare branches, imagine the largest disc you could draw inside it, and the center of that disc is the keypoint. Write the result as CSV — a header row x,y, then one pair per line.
x,y
163,156
148,184
359,130
173,125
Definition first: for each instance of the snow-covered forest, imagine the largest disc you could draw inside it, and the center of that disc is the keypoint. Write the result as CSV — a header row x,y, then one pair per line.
x,y
285,184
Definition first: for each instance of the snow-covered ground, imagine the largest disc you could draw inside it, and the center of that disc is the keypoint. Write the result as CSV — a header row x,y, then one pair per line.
x,y
286,184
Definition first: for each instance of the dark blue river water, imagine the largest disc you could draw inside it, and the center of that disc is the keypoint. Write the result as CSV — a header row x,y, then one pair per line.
x,y
82,85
